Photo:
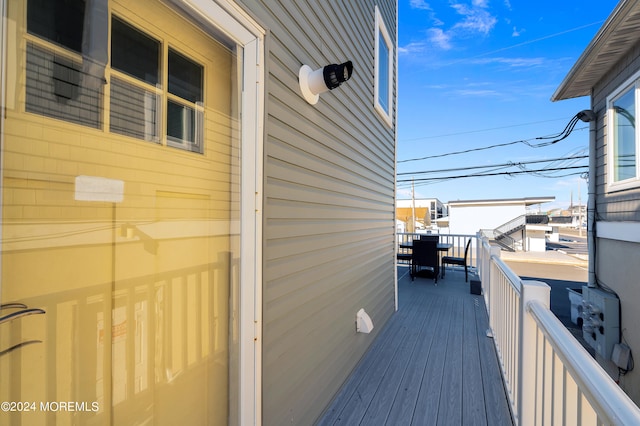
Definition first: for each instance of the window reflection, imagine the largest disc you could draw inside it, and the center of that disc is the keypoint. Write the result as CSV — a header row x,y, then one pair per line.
x,y
131,247
625,137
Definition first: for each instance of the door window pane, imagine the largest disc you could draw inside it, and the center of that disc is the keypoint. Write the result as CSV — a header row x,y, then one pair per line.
x,y
134,111
59,21
184,126
185,77
132,249
134,53
184,121
56,87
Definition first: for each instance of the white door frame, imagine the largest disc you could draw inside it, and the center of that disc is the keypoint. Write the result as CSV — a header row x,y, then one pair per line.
x,y
228,17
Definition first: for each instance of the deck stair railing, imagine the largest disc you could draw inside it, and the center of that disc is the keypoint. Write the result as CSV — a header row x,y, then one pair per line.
x,y
501,233
549,377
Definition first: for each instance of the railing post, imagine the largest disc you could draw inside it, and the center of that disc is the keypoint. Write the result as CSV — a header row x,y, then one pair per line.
x,y
487,279
531,290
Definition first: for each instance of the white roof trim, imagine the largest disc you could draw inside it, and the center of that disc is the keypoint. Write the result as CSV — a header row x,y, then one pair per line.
x,y
614,39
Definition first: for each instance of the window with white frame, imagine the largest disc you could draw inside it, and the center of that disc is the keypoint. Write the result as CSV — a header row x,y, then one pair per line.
x,y
623,137
383,88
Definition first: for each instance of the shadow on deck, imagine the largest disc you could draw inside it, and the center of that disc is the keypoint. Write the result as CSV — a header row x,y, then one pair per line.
x,y
432,364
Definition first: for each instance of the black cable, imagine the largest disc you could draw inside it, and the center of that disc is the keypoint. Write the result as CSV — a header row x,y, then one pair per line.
x,y
488,174
510,164
571,123
569,128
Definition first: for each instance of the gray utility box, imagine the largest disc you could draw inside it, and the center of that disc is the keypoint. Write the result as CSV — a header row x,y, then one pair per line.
x,y
601,320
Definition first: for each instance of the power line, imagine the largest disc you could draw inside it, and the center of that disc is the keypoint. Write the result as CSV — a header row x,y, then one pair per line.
x,y
480,130
508,164
432,179
556,138
550,171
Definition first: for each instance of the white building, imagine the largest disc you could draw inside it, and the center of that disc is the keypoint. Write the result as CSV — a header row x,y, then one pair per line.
x,y
470,216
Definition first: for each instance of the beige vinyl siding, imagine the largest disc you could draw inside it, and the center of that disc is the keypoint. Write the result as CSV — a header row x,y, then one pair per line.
x,y
329,205
620,205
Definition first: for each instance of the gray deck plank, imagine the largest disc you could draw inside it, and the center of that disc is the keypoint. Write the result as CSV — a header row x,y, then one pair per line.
x,y
431,364
428,402
374,379
386,392
451,391
495,400
473,409
407,397
355,396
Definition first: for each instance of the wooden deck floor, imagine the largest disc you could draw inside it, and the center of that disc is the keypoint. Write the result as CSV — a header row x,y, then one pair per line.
x,y
432,364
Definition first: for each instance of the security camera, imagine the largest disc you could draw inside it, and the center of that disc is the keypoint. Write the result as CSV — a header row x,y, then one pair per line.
x,y
312,83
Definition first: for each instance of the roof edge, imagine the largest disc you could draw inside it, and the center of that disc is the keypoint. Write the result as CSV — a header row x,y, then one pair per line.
x,y
592,49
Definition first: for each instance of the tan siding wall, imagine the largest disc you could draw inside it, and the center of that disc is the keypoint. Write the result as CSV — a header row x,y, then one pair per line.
x,y
329,205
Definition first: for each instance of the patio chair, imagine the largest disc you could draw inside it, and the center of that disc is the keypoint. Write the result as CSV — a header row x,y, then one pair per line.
x,y
461,261
425,254
429,237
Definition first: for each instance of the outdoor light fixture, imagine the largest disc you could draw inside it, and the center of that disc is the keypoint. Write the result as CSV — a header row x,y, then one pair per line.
x,y
312,83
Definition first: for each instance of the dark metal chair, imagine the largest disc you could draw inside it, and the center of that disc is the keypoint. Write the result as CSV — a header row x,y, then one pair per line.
x,y
425,254
462,261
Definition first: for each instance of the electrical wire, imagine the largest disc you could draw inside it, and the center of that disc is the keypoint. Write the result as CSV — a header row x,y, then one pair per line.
x,y
506,175
509,164
468,132
551,170
569,128
512,173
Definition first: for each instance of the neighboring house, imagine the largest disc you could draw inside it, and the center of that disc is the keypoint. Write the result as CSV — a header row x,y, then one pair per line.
x,y
199,233
425,210
470,216
609,72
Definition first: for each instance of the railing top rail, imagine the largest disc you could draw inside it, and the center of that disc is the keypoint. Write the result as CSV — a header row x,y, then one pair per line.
x,y
611,404
513,279
537,219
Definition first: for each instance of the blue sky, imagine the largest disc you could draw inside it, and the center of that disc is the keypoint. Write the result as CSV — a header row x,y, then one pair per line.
x,y
476,73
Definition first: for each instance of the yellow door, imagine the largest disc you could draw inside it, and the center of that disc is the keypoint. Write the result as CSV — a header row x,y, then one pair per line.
x,y
119,218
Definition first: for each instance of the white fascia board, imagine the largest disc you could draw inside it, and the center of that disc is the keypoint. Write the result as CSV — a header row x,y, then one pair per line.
x,y
620,231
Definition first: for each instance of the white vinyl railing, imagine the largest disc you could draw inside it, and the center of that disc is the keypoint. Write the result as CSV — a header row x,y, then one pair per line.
x,y
549,377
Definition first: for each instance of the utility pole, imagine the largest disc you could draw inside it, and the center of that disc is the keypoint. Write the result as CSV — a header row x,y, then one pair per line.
x,y
579,211
413,207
